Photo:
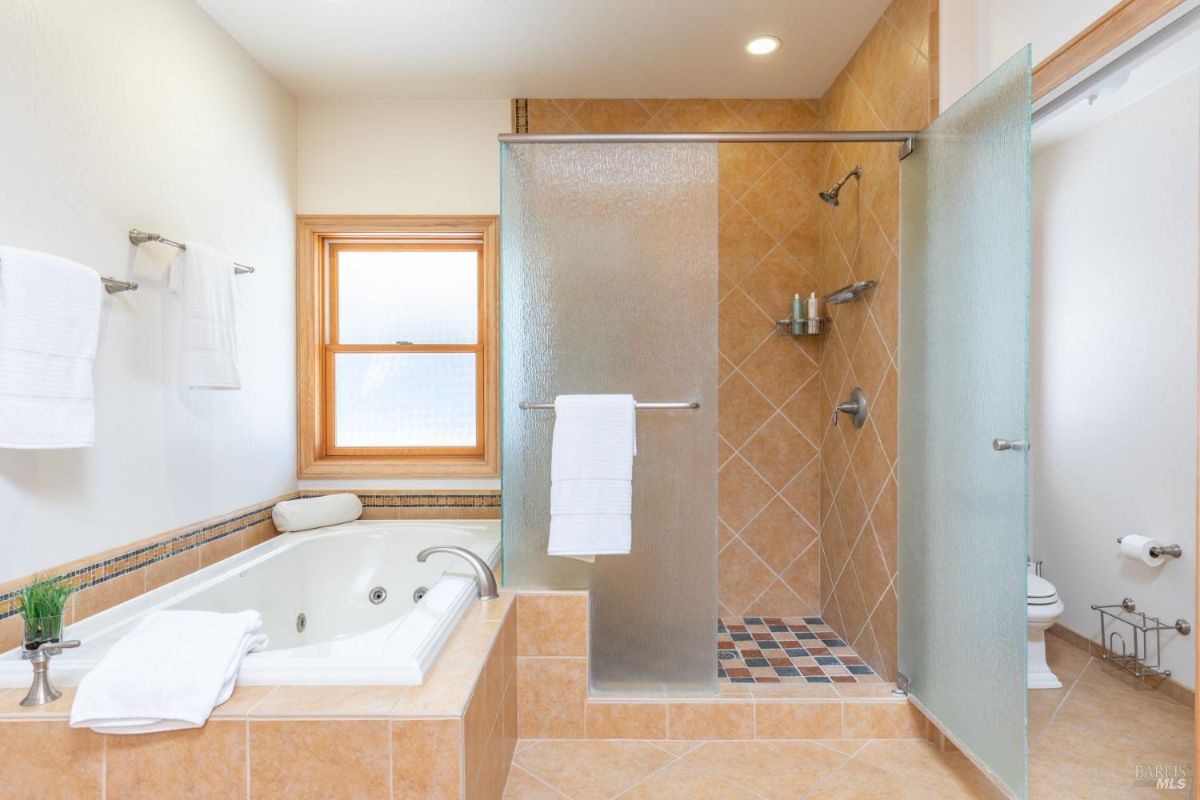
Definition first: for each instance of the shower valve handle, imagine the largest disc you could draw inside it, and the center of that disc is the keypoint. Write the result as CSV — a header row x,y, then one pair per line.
x,y
856,407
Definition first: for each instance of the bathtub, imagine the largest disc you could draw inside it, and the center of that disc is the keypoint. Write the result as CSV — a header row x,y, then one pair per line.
x,y
340,604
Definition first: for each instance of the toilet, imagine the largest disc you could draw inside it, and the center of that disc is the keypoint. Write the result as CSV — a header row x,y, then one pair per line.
x,y
1044,608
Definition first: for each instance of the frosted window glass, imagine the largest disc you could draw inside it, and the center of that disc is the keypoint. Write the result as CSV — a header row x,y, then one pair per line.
x,y
419,296
609,285
964,378
404,399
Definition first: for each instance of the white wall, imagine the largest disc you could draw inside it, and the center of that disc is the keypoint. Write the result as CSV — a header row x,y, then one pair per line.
x,y
364,157
976,36
144,113
1114,359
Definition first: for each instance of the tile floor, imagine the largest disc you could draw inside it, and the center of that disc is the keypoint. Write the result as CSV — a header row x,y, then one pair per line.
x,y
830,769
1089,738
786,649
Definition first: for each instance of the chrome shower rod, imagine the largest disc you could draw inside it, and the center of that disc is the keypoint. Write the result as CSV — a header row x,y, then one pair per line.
x,y
757,136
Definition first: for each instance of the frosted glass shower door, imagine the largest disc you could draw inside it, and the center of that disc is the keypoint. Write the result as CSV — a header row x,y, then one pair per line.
x,y
964,354
609,270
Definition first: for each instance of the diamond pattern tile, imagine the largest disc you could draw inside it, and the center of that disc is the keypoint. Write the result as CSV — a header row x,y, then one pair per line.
x,y
785,475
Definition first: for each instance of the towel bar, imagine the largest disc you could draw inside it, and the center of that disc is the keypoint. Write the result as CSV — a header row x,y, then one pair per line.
x,y
527,406
112,285
139,237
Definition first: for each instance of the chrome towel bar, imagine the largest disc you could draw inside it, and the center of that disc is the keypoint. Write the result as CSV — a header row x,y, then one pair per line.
x,y
112,285
139,237
527,406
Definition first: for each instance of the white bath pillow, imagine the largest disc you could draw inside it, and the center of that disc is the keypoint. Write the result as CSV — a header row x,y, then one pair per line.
x,y
316,512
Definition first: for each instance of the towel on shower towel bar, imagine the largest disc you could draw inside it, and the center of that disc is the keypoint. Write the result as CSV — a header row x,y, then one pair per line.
x,y
202,277
49,325
168,673
591,475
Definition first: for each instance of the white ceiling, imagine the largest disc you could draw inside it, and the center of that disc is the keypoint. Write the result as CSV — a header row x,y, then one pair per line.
x,y
493,49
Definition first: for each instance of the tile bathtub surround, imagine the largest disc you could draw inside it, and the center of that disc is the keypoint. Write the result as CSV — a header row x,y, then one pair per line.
x,y
887,84
115,576
768,650
112,577
769,417
452,737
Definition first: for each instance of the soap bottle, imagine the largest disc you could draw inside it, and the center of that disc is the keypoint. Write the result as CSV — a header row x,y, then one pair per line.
x,y
797,316
813,316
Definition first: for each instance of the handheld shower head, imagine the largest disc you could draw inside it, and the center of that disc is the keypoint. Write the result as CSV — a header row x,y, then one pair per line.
x,y
831,195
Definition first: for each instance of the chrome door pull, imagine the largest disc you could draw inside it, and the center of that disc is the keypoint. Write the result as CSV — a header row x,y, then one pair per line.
x,y
1005,444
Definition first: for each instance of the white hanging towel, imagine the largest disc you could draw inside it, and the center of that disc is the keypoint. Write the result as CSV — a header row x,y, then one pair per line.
x,y
49,325
202,277
591,475
168,673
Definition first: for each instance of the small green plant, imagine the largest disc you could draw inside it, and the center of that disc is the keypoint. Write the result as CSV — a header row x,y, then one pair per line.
x,y
42,603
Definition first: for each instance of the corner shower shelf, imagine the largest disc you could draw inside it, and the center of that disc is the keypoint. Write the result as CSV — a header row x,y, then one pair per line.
x,y
811,326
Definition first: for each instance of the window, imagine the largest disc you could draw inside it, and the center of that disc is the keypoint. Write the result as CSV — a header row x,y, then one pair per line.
x,y
396,346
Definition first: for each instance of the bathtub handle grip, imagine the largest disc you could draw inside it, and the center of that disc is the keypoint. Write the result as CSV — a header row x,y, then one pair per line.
x,y
487,580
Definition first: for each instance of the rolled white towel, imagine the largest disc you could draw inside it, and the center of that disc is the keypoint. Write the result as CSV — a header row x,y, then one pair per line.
x,y
316,512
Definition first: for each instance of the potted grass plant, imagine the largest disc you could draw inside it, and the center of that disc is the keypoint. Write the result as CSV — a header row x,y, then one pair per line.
x,y
42,603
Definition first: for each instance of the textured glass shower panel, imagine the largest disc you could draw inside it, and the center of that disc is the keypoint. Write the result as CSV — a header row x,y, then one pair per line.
x,y
964,354
609,285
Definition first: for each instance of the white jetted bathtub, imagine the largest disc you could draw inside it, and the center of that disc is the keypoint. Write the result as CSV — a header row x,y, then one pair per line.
x,y
339,604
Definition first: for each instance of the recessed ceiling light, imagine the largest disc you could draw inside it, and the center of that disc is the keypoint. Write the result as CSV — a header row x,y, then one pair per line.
x,y
762,45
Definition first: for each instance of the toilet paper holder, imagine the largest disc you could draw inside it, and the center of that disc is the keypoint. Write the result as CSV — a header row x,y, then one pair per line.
x,y
1172,550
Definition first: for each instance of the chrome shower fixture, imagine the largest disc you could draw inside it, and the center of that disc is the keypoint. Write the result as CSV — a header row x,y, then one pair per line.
x,y
848,294
831,196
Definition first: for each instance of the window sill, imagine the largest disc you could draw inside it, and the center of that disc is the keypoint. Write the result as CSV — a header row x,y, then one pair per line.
x,y
357,467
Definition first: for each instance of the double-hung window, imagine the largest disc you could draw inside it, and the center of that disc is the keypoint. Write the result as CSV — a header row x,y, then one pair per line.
x,y
397,337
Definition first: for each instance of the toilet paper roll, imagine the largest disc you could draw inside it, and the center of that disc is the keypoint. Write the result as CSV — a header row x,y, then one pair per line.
x,y
1138,548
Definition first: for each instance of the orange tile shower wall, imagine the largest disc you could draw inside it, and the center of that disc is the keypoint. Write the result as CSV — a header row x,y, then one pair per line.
x,y
888,84
807,513
770,418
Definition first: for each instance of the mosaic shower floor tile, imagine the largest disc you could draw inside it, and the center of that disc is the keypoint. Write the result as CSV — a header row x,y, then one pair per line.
x,y
786,649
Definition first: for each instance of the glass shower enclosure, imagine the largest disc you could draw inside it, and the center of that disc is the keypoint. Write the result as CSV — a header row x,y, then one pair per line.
x,y
609,286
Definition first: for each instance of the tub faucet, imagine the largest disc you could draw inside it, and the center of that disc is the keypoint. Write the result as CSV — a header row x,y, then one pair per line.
x,y
487,581
42,691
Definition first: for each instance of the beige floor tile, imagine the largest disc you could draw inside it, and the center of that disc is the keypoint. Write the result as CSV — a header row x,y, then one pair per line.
x,y
847,746
1053,781
683,781
1066,661
523,786
676,747
592,770
1043,703
857,780
921,761
775,770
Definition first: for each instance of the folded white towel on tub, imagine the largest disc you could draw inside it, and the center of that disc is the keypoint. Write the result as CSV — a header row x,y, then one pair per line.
x,y
168,673
591,475
49,326
316,512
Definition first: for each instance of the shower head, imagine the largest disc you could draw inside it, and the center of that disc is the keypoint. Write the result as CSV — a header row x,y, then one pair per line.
x,y
831,196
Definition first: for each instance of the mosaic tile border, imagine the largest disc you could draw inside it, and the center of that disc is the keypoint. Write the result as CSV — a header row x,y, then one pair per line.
x,y
419,499
123,563
786,650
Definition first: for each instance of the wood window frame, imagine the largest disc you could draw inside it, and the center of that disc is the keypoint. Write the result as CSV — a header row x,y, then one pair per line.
x,y
317,239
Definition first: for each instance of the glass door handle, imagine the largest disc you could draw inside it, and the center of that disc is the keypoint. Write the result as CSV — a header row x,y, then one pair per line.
x,y
1005,444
